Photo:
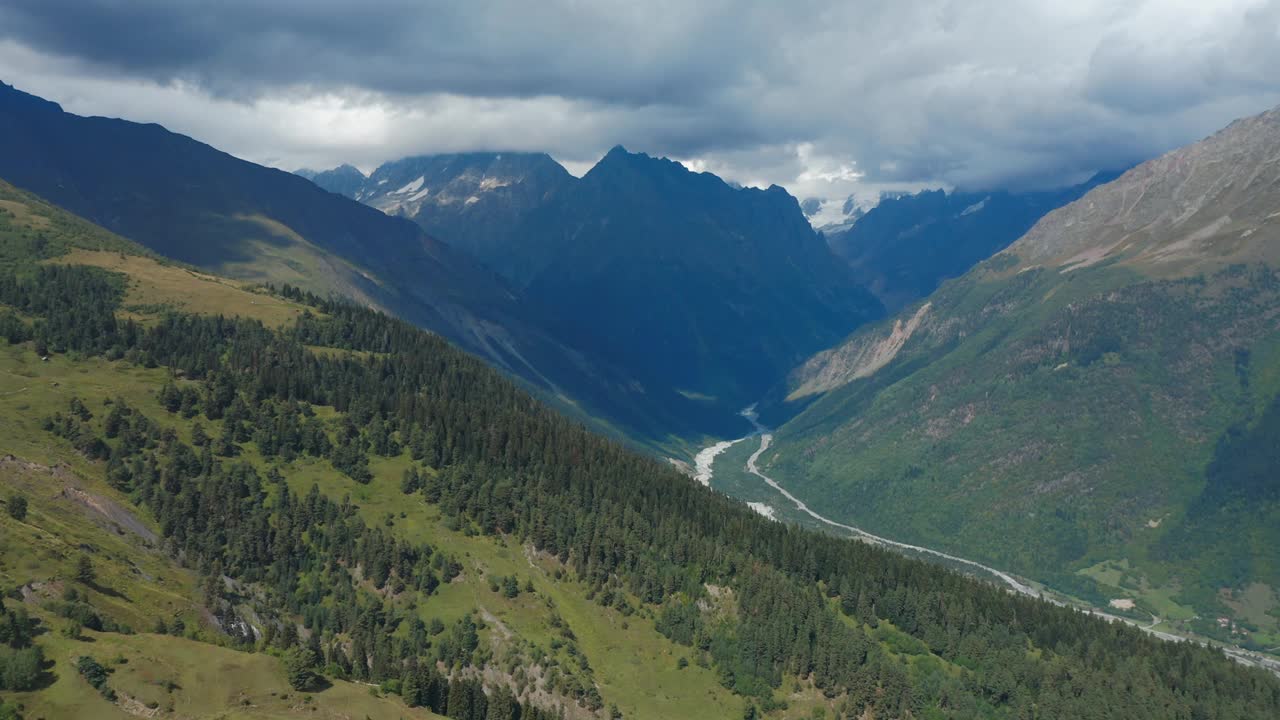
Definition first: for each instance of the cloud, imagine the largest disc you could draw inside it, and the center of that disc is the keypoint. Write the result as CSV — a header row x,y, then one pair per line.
x,y
824,97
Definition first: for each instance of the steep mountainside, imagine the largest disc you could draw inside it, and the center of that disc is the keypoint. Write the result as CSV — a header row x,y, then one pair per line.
x,y
704,292
475,201
193,203
224,502
905,246
697,285
1094,407
196,204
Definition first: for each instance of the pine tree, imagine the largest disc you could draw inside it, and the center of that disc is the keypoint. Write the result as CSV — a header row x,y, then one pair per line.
x,y
85,573
299,668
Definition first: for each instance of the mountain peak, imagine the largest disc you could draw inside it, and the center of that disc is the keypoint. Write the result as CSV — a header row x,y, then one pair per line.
x,y
620,156
1197,206
620,160
12,94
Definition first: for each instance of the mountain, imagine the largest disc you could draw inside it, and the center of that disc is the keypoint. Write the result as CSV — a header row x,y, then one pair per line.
x,y
694,284
193,203
223,501
907,245
702,291
1095,406
473,200
345,179
830,216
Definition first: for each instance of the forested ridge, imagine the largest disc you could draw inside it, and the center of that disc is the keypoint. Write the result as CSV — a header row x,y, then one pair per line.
x,y
756,599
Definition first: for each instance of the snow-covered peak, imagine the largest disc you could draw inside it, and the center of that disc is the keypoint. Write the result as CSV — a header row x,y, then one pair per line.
x,y
830,215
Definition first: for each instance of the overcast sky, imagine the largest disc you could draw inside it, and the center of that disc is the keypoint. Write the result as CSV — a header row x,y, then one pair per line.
x,y
823,97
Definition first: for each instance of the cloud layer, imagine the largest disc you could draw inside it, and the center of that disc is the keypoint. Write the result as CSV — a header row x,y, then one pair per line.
x,y
823,97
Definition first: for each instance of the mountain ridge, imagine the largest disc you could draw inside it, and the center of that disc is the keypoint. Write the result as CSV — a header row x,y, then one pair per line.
x,y
644,263
909,243
1056,409
192,202
391,528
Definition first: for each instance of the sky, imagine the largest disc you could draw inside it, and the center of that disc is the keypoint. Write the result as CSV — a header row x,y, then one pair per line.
x,y
823,97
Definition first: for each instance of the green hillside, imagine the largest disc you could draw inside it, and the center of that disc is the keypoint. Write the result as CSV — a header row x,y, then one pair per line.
x,y
195,204
1094,408
312,509
76,509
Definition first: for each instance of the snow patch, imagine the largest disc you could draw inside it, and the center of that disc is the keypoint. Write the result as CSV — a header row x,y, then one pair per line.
x,y
975,207
420,194
832,216
492,183
762,508
411,186
472,200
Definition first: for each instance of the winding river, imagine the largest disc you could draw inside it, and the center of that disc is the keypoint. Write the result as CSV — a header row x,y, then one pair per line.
x,y
705,460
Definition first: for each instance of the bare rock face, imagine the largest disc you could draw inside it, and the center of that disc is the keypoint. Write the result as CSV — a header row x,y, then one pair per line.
x,y
858,358
1211,203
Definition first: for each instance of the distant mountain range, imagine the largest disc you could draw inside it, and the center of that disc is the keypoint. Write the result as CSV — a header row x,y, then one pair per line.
x,y
646,299
1096,406
194,203
906,245
473,200
344,180
695,286
558,239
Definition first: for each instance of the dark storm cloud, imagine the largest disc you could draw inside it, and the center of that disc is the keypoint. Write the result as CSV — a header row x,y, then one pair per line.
x,y
824,97
632,53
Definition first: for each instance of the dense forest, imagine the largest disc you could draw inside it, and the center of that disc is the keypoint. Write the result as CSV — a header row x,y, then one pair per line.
x,y
756,599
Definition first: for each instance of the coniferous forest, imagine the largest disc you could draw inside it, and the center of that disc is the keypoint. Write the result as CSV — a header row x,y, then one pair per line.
x,y
754,599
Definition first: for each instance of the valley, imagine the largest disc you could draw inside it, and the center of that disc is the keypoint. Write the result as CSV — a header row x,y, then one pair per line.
x,y
1026,415
1155,627
212,480
456,428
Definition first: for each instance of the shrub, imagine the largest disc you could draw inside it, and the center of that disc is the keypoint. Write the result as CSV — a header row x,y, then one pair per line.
x,y
17,506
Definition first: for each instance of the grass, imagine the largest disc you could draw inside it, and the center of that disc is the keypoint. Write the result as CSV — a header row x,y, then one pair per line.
x,y
24,215
274,253
1122,580
635,666
987,437
153,285
134,585
189,679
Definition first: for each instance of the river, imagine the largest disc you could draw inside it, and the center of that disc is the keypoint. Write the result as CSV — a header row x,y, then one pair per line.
x,y
705,461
